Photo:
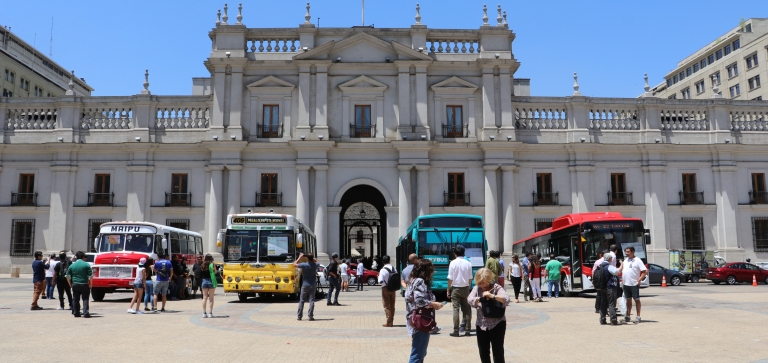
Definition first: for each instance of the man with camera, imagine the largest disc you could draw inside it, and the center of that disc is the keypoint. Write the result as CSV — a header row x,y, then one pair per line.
x,y
308,284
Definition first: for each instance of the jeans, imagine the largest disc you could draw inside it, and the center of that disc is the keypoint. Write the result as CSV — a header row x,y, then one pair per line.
x,y
419,343
49,287
493,339
81,291
333,283
556,284
459,302
307,294
607,298
149,294
63,286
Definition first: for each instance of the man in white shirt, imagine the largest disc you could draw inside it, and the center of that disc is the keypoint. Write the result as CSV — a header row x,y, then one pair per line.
x,y
360,270
633,271
459,280
387,296
344,271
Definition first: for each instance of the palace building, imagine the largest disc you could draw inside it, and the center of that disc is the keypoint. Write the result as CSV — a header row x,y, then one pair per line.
x,y
359,130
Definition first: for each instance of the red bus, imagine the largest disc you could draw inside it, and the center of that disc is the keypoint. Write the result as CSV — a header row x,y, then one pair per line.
x,y
575,240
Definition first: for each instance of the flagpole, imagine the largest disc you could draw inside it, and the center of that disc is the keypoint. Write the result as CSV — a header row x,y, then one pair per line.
x,y
363,12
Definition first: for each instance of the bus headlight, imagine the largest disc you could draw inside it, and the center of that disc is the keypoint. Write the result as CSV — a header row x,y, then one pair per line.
x,y
285,280
257,279
229,278
237,279
277,279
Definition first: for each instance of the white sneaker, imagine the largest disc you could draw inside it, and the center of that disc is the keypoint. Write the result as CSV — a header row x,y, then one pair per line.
x,y
131,311
139,312
210,315
205,315
60,308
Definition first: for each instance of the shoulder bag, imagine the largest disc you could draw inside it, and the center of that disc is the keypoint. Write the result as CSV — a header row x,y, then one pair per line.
x,y
491,308
423,318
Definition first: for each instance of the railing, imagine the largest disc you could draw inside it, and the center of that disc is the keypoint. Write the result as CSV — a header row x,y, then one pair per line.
x,y
456,46
106,118
31,118
749,120
182,117
620,198
362,131
688,120
282,44
691,198
269,199
455,199
613,119
269,130
101,199
545,199
455,130
541,118
758,197
178,199
24,199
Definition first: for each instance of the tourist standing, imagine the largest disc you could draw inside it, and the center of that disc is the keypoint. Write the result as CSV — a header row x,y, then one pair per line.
x,y
80,277
50,273
163,274
208,284
333,279
599,262
139,285
62,285
406,275
490,331
516,276
526,262
308,284
387,296
418,295
632,273
607,295
493,263
197,276
344,271
459,279
149,292
38,279
503,268
360,270
553,268
535,278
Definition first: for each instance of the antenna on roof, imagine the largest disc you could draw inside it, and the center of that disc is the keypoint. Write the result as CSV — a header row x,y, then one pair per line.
x,y
363,13
50,49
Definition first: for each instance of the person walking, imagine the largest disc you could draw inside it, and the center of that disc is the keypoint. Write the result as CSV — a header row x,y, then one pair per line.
x,y
490,331
553,268
418,295
197,276
406,275
80,277
535,278
50,273
632,273
516,276
503,269
344,271
525,263
308,284
599,262
208,284
163,276
333,280
360,270
60,275
387,296
459,280
607,295
139,285
493,263
38,280
149,292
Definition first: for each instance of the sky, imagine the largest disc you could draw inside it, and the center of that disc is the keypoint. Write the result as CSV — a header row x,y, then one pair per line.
x,y
610,43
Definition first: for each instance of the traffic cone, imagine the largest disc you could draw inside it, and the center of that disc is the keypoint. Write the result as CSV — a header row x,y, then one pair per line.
x,y
754,280
664,281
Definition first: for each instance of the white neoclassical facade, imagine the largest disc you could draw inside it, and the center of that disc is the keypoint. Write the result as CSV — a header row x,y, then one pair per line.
x,y
359,130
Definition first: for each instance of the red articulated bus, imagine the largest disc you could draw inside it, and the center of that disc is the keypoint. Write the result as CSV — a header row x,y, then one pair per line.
x,y
576,239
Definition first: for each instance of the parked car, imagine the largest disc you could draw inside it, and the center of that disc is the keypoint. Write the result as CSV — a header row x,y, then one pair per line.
x,y
370,277
90,257
656,272
735,272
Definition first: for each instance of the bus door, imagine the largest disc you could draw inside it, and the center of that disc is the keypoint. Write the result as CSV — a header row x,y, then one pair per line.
x,y
576,262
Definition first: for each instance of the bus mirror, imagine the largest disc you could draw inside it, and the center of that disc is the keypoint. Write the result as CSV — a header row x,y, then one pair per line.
x,y
647,236
96,243
299,240
164,244
219,239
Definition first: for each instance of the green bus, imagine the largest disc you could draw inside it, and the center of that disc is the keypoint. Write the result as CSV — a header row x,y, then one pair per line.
x,y
434,236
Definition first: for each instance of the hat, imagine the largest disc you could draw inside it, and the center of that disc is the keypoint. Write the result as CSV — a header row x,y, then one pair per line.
x,y
143,261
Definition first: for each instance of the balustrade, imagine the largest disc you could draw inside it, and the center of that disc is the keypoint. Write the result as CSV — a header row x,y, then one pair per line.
x,y
106,118
273,45
182,117
541,118
749,120
31,119
613,119
685,120
456,46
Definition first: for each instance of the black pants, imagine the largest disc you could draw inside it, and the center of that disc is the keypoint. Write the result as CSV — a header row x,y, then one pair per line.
x,y
516,282
81,291
333,283
360,282
491,339
63,286
607,299
598,298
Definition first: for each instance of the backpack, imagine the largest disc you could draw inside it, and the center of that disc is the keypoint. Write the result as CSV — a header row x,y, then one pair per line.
x,y
163,270
393,284
62,266
598,278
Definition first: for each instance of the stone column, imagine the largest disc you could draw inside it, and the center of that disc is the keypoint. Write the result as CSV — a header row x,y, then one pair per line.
x,y
60,200
404,198
421,101
392,237
508,202
505,87
404,100
321,99
655,198
728,244
137,193
233,189
489,105
422,200
334,238
219,94
302,194
321,207
215,200
236,102
304,95
491,210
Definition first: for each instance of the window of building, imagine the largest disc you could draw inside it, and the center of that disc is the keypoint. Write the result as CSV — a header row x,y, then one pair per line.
x,y
760,233
700,87
758,98
727,49
688,72
271,119
693,234
719,54
454,121
619,195
673,97
752,60
24,84
711,59
759,195
681,75
715,79
748,28
94,228
7,93
101,190
456,196
703,63
544,195
735,91
542,223
736,44
686,93
179,196
22,237
10,76
38,92
178,223
733,70
669,82
695,68
689,183
269,195
362,121
754,82
26,195
674,79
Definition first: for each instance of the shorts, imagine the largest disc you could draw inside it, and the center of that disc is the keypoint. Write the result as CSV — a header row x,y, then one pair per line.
x,y
206,284
161,287
138,285
345,278
632,292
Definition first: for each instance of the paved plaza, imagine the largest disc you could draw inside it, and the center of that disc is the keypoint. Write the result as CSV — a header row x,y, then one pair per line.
x,y
690,323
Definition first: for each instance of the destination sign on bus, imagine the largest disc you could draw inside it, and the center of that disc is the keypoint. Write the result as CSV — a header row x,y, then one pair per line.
x,y
612,225
123,228
258,220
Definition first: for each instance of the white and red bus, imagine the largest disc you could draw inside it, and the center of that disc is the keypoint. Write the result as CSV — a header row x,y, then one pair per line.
x,y
120,245
576,239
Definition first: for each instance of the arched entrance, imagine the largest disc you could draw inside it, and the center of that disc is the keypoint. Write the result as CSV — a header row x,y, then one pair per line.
x,y
363,222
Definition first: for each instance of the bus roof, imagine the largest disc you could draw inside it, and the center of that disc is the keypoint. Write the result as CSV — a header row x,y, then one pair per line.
x,y
572,219
155,225
430,216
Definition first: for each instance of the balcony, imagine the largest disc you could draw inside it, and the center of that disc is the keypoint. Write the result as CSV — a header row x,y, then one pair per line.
x,y
620,198
362,130
545,199
688,198
101,199
455,199
758,197
267,131
24,199
178,199
269,199
455,131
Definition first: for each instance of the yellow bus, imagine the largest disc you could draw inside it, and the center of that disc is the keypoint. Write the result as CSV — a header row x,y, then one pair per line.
x,y
259,250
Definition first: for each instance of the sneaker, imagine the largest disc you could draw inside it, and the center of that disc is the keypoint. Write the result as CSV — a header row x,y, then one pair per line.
x,y
330,303
210,315
77,315
466,334
336,304
146,308
637,320
603,322
154,310
455,334
205,315
614,322
139,312
436,330
461,329
627,319
162,310
87,315
131,311
311,319
60,308
299,319
35,308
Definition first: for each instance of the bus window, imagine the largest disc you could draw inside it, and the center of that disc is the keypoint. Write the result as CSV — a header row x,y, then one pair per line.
x,y
175,243
159,245
198,245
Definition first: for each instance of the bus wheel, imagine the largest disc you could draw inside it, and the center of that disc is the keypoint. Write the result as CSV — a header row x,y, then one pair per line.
x,y
565,286
98,294
242,297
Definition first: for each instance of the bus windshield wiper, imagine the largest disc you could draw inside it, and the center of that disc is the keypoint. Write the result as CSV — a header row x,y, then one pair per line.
x,y
464,237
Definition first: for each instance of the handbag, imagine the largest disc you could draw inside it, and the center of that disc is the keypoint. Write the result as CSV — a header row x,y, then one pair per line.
x,y
423,318
492,308
212,270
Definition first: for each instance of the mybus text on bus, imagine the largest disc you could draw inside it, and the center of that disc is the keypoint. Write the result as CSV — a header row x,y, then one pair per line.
x,y
576,239
259,250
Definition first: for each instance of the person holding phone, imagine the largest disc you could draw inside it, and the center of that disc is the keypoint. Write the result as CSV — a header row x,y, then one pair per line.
x,y
418,295
308,284
490,331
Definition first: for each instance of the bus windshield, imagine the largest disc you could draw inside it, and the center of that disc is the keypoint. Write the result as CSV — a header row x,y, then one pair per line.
x,y
438,245
260,246
602,235
126,242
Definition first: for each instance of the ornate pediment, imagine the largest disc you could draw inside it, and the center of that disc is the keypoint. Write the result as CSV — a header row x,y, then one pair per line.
x,y
362,48
361,85
454,85
270,84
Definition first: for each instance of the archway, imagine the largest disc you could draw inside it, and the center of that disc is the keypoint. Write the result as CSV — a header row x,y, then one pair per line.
x,y
363,222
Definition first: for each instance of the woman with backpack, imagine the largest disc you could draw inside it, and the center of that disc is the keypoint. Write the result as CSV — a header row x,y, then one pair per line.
x,y
419,296
516,275
535,277
208,284
149,291
491,322
138,287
